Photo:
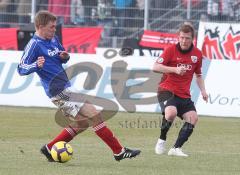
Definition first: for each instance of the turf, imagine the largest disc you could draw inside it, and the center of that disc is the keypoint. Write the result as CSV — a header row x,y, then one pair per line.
x,y
214,147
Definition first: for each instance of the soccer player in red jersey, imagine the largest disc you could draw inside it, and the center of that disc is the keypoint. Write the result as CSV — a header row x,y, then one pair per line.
x,y
179,63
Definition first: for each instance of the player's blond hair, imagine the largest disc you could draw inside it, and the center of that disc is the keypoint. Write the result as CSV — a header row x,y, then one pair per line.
x,y
43,17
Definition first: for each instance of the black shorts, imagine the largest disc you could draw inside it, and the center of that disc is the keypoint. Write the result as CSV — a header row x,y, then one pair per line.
x,y
183,105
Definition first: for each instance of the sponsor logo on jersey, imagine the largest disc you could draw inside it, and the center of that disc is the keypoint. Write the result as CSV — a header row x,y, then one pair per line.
x,y
194,59
53,52
185,66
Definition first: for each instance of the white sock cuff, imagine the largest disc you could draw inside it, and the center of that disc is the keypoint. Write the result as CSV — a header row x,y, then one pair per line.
x,y
98,127
71,131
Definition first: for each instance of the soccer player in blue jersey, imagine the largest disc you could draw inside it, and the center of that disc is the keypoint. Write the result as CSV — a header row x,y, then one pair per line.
x,y
45,55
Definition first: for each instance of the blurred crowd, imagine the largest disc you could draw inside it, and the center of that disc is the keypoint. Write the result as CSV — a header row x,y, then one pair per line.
x,y
116,14
223,10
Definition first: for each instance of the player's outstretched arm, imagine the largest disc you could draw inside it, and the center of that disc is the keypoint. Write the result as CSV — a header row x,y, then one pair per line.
x,y
24,68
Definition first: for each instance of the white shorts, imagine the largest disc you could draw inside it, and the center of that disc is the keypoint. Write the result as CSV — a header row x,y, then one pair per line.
x,y
66,101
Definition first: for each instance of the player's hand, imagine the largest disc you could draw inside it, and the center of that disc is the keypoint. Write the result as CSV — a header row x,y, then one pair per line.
x,y
63,55
180,70
205,96
40,61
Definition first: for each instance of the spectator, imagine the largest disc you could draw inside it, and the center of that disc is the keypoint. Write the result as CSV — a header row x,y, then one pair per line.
x,y
104,9
61,8
77,12
198,8
42,5
140,4
161,7
89,11
220,10
7,9
236,8
122,12
104,18
24,10
194,3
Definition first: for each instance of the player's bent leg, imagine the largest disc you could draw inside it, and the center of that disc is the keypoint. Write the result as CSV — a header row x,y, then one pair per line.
x,y
103,132
92,114
170,113
168,117
191,117
119,152
67,134
89,110
80,124
184,134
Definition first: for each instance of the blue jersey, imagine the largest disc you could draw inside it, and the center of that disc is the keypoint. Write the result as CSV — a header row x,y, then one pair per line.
x,y
52,75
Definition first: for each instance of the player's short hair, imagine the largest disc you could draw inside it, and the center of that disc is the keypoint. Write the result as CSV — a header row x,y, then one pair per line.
x,y
186,28
43,17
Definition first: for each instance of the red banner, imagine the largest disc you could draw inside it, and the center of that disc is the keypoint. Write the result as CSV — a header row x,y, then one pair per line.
x,y
158,39
81,40
8,39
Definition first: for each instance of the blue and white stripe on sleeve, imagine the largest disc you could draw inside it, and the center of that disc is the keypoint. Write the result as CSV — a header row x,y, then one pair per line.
x,y
28,62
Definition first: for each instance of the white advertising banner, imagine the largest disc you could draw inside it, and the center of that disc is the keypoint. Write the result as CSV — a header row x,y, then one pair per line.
x,y
27,91
219,42
221,85
19,90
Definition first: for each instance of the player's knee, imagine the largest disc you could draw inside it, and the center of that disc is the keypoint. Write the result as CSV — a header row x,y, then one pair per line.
x,y
170,113
193,120
82,125
191,117
89,110
170,117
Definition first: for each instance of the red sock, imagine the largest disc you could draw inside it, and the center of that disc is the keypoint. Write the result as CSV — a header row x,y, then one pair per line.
x,y
107,136
66,135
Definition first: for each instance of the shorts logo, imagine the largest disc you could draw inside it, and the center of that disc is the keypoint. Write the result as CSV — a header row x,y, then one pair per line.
x,y
160,60
194,59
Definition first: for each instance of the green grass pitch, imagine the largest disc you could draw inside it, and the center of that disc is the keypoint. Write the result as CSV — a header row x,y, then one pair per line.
x,y
214,147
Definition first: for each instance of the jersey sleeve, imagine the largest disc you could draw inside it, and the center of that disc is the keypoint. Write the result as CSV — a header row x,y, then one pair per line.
x,y
198,70
28,63
165,56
